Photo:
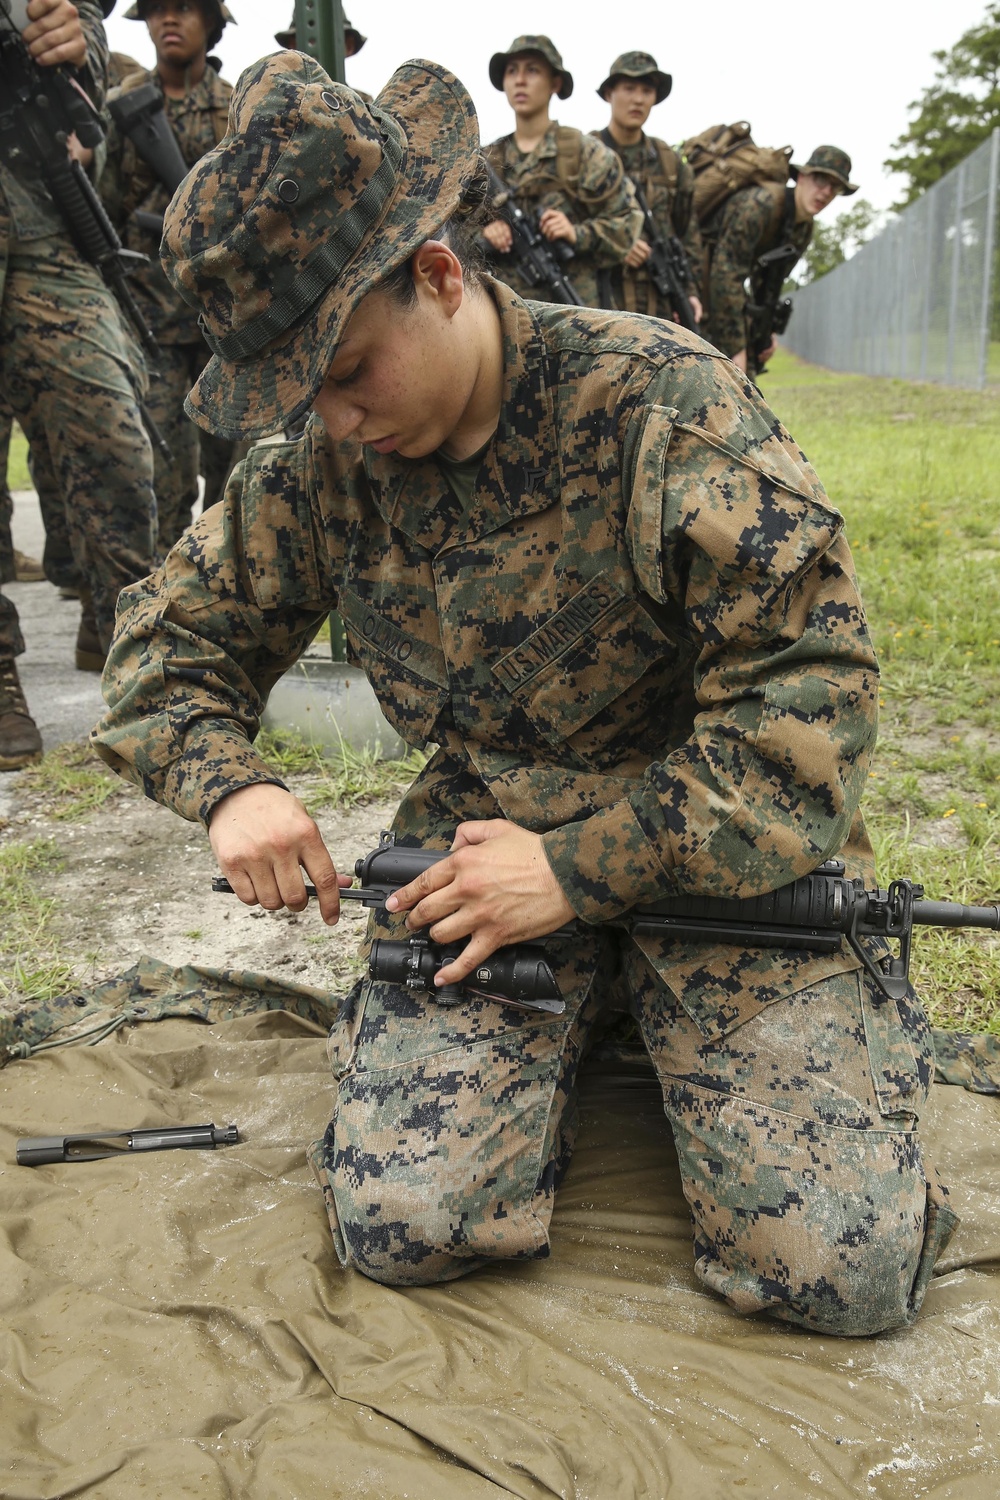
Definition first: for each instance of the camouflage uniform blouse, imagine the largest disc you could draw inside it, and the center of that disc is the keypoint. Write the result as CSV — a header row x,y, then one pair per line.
x,y
198,122
643,641
26,208
600,204
743,228
670,200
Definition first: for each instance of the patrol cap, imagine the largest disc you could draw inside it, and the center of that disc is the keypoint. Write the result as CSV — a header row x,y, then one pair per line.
x,y
522,45
310,199
217,15
637,65
832,162
286,38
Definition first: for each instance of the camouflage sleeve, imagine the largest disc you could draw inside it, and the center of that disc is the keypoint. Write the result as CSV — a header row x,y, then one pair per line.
x,y
730,531
744,225
92,21
199,644
686,228
613,221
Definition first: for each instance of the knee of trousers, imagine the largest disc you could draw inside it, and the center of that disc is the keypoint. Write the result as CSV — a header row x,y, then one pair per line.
x,y
835,1230
418,1197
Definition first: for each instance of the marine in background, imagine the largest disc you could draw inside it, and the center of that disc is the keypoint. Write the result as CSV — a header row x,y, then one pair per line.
x,y
72,376
634,85
353,43
571,180
752,222
196,105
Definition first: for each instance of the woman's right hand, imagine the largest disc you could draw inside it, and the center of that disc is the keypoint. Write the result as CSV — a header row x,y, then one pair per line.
x,y
263,838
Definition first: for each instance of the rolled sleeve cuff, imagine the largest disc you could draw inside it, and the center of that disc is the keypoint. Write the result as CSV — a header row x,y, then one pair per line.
x,y
606,864
215,762
584,242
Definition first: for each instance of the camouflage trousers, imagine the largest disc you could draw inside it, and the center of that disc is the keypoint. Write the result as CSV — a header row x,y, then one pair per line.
x,y
57,558
802,1168
66,372
796,1134
192,450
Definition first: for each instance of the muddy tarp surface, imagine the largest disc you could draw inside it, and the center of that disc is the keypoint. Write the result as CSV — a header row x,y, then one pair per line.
x,y
177,1325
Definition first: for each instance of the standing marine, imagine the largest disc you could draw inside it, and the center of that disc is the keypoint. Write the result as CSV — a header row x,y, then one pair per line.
x,y
570,180
72,375
196,106
634,85
751,223
576,552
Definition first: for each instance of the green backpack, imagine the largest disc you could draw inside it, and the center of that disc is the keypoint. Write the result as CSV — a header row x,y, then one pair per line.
x,y
725,158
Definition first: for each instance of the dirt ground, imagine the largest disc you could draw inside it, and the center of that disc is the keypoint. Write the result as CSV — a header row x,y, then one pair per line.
x,y
136,879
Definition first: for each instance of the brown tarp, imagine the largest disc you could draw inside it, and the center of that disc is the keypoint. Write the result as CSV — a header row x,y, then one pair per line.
x,y
177,1325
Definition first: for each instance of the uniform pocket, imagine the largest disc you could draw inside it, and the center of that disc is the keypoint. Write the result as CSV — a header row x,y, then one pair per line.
x,y
900,1048
588,655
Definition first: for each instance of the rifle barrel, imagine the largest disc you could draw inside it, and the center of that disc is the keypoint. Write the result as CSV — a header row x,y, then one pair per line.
x,y
953,914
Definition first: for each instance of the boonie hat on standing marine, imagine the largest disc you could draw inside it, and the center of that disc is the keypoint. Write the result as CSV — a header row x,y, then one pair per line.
x,y
521,45
832,162
638,65
310,199
286,38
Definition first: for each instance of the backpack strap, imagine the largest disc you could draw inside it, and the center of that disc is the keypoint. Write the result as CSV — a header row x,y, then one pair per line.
x,y
569,153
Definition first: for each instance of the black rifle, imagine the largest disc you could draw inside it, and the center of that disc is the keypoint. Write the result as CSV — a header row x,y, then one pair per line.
x,y
768,311
139,116
40,108
537,259
667,266
816,913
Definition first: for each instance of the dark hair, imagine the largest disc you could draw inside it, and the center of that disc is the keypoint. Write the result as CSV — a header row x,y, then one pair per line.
x,y
460,233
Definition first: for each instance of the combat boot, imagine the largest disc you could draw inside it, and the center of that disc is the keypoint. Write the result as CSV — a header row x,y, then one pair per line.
x,y
27,569
90,655
20,741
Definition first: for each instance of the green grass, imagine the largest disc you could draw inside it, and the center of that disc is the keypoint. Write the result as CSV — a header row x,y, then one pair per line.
x,y
344,780
18,477
25,970
916,472
70,782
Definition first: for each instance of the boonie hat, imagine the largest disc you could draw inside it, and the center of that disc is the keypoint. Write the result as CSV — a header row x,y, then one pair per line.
x,y
518,47
351,33
220,15
310,199
832,162
637,65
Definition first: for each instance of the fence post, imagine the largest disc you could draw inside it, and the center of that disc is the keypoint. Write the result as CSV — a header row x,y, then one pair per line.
x,y
956,258
986,311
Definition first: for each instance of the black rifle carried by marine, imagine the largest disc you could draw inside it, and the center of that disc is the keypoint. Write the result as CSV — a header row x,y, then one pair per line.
x,y
40,108
767,311
816,913
539,261
138,115
667,266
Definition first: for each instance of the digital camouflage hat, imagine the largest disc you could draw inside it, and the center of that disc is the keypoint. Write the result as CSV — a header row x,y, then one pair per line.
x,y
832,162
522,45
637,65
286,38
217,15
309,200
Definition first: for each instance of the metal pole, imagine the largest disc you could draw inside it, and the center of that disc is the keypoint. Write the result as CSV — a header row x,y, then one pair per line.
x,y
319,30
989,269
956,256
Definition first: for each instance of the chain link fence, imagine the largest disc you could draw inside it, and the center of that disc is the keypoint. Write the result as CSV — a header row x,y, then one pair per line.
x,y
918,301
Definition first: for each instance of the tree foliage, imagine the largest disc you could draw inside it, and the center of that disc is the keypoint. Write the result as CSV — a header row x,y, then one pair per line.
x,y
958,110
837,241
